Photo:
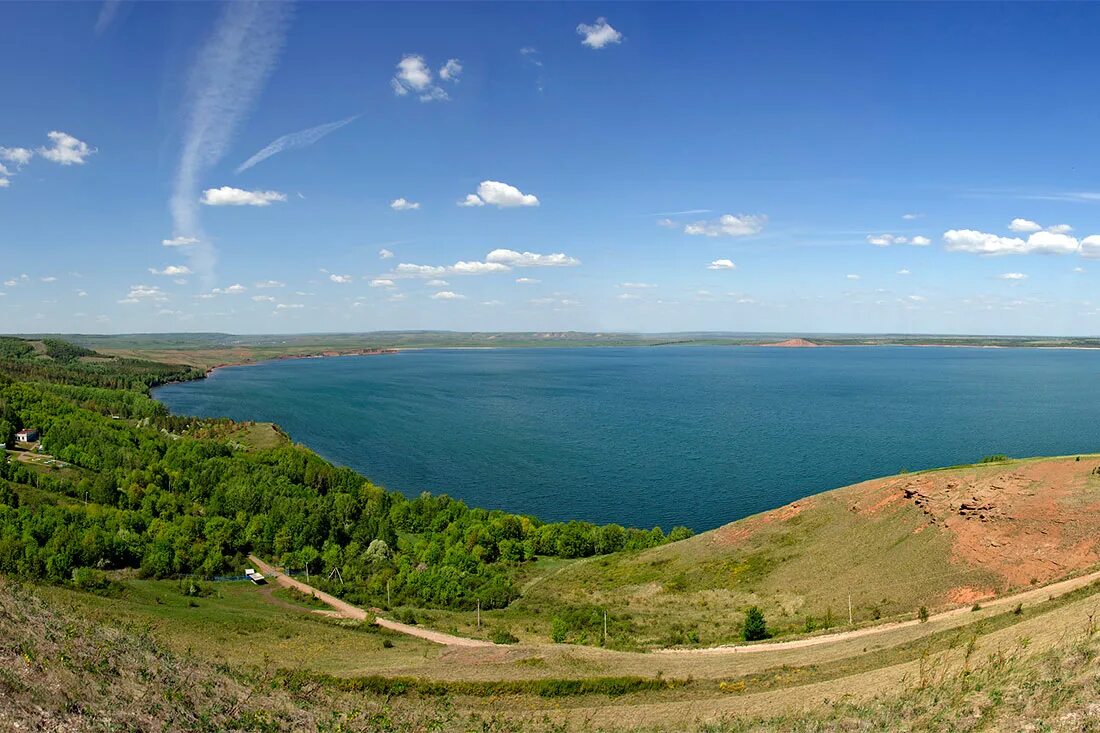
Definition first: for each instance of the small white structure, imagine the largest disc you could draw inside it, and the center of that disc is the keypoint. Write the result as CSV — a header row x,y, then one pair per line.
x,y
27,435
255,577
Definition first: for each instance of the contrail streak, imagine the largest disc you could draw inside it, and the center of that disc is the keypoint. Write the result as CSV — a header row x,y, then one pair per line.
x,y
294,141
229,73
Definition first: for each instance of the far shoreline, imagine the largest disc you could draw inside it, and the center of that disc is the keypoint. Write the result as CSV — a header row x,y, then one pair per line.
x,y
327,354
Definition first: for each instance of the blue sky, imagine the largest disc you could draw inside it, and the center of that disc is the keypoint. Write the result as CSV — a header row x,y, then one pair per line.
x,y
737,167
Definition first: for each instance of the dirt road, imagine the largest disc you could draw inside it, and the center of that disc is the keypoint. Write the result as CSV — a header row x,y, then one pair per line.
x,y
1025,597
347,610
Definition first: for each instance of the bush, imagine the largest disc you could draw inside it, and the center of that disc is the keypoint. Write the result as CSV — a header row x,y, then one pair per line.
x,y
405,616
756,627
90,579
503,636
922,614
995,458
558,630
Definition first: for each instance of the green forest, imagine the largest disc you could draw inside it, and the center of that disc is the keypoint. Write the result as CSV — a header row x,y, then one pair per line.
x,y
120,483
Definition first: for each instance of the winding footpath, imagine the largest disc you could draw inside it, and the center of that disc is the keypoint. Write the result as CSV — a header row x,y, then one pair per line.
x,y
347,610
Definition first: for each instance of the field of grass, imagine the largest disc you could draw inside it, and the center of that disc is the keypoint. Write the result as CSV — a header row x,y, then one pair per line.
x,y
236,642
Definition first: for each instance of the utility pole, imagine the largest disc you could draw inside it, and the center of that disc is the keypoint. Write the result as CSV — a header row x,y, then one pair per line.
x,y
849,609
479,613
605,627
388,601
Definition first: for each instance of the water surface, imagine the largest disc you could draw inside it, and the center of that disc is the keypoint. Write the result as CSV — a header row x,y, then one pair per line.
x,y
661,436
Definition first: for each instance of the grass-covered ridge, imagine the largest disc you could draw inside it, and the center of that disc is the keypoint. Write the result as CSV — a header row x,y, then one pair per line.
x,y
131,486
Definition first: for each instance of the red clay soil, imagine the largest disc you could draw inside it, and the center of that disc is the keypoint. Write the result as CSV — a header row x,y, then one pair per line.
x,y
794,344
732,534
1028,522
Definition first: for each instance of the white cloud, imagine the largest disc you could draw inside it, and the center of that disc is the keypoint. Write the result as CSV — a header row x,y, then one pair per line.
x,y
916,298
1090,246
628,296
478,268
263,298
381,282
179,241
48,279
289,306
414,75
911,216
66,149
5,183
293,141
852,276
234,289
1052,243
139,293
437,283
1023,225
451,70
527,280
903,271
492,302
229,196
342,279
1012,276
402,204
598,34
1060,229
531,259
637,286
18,156
384,254
411,270
722,264
728,225
501,195
885,240
666,223
447,295
264,284
1040,242
172,270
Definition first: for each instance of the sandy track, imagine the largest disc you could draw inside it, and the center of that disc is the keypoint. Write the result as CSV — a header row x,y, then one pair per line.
x,y
1029,596
347,610
355,613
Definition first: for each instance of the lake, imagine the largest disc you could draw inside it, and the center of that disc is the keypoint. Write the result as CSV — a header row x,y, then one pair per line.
x,y
698,436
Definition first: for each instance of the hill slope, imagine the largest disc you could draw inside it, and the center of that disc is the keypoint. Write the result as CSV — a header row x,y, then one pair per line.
x,y
933,539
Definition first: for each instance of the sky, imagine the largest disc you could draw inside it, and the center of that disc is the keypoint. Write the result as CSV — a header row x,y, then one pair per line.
x,y
281,168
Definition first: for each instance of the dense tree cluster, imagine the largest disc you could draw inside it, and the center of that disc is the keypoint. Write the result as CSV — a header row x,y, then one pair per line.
x,y
170,495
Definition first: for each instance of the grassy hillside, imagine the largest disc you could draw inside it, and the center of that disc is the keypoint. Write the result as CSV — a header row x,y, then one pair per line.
x,y
935,539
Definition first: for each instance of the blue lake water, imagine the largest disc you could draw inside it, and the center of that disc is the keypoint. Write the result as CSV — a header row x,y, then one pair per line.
x,y
661,436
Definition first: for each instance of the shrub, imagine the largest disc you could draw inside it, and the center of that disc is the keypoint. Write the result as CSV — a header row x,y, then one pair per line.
x,y
503,636
756,627
922,614
995,458
558,630
405,616
90,579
